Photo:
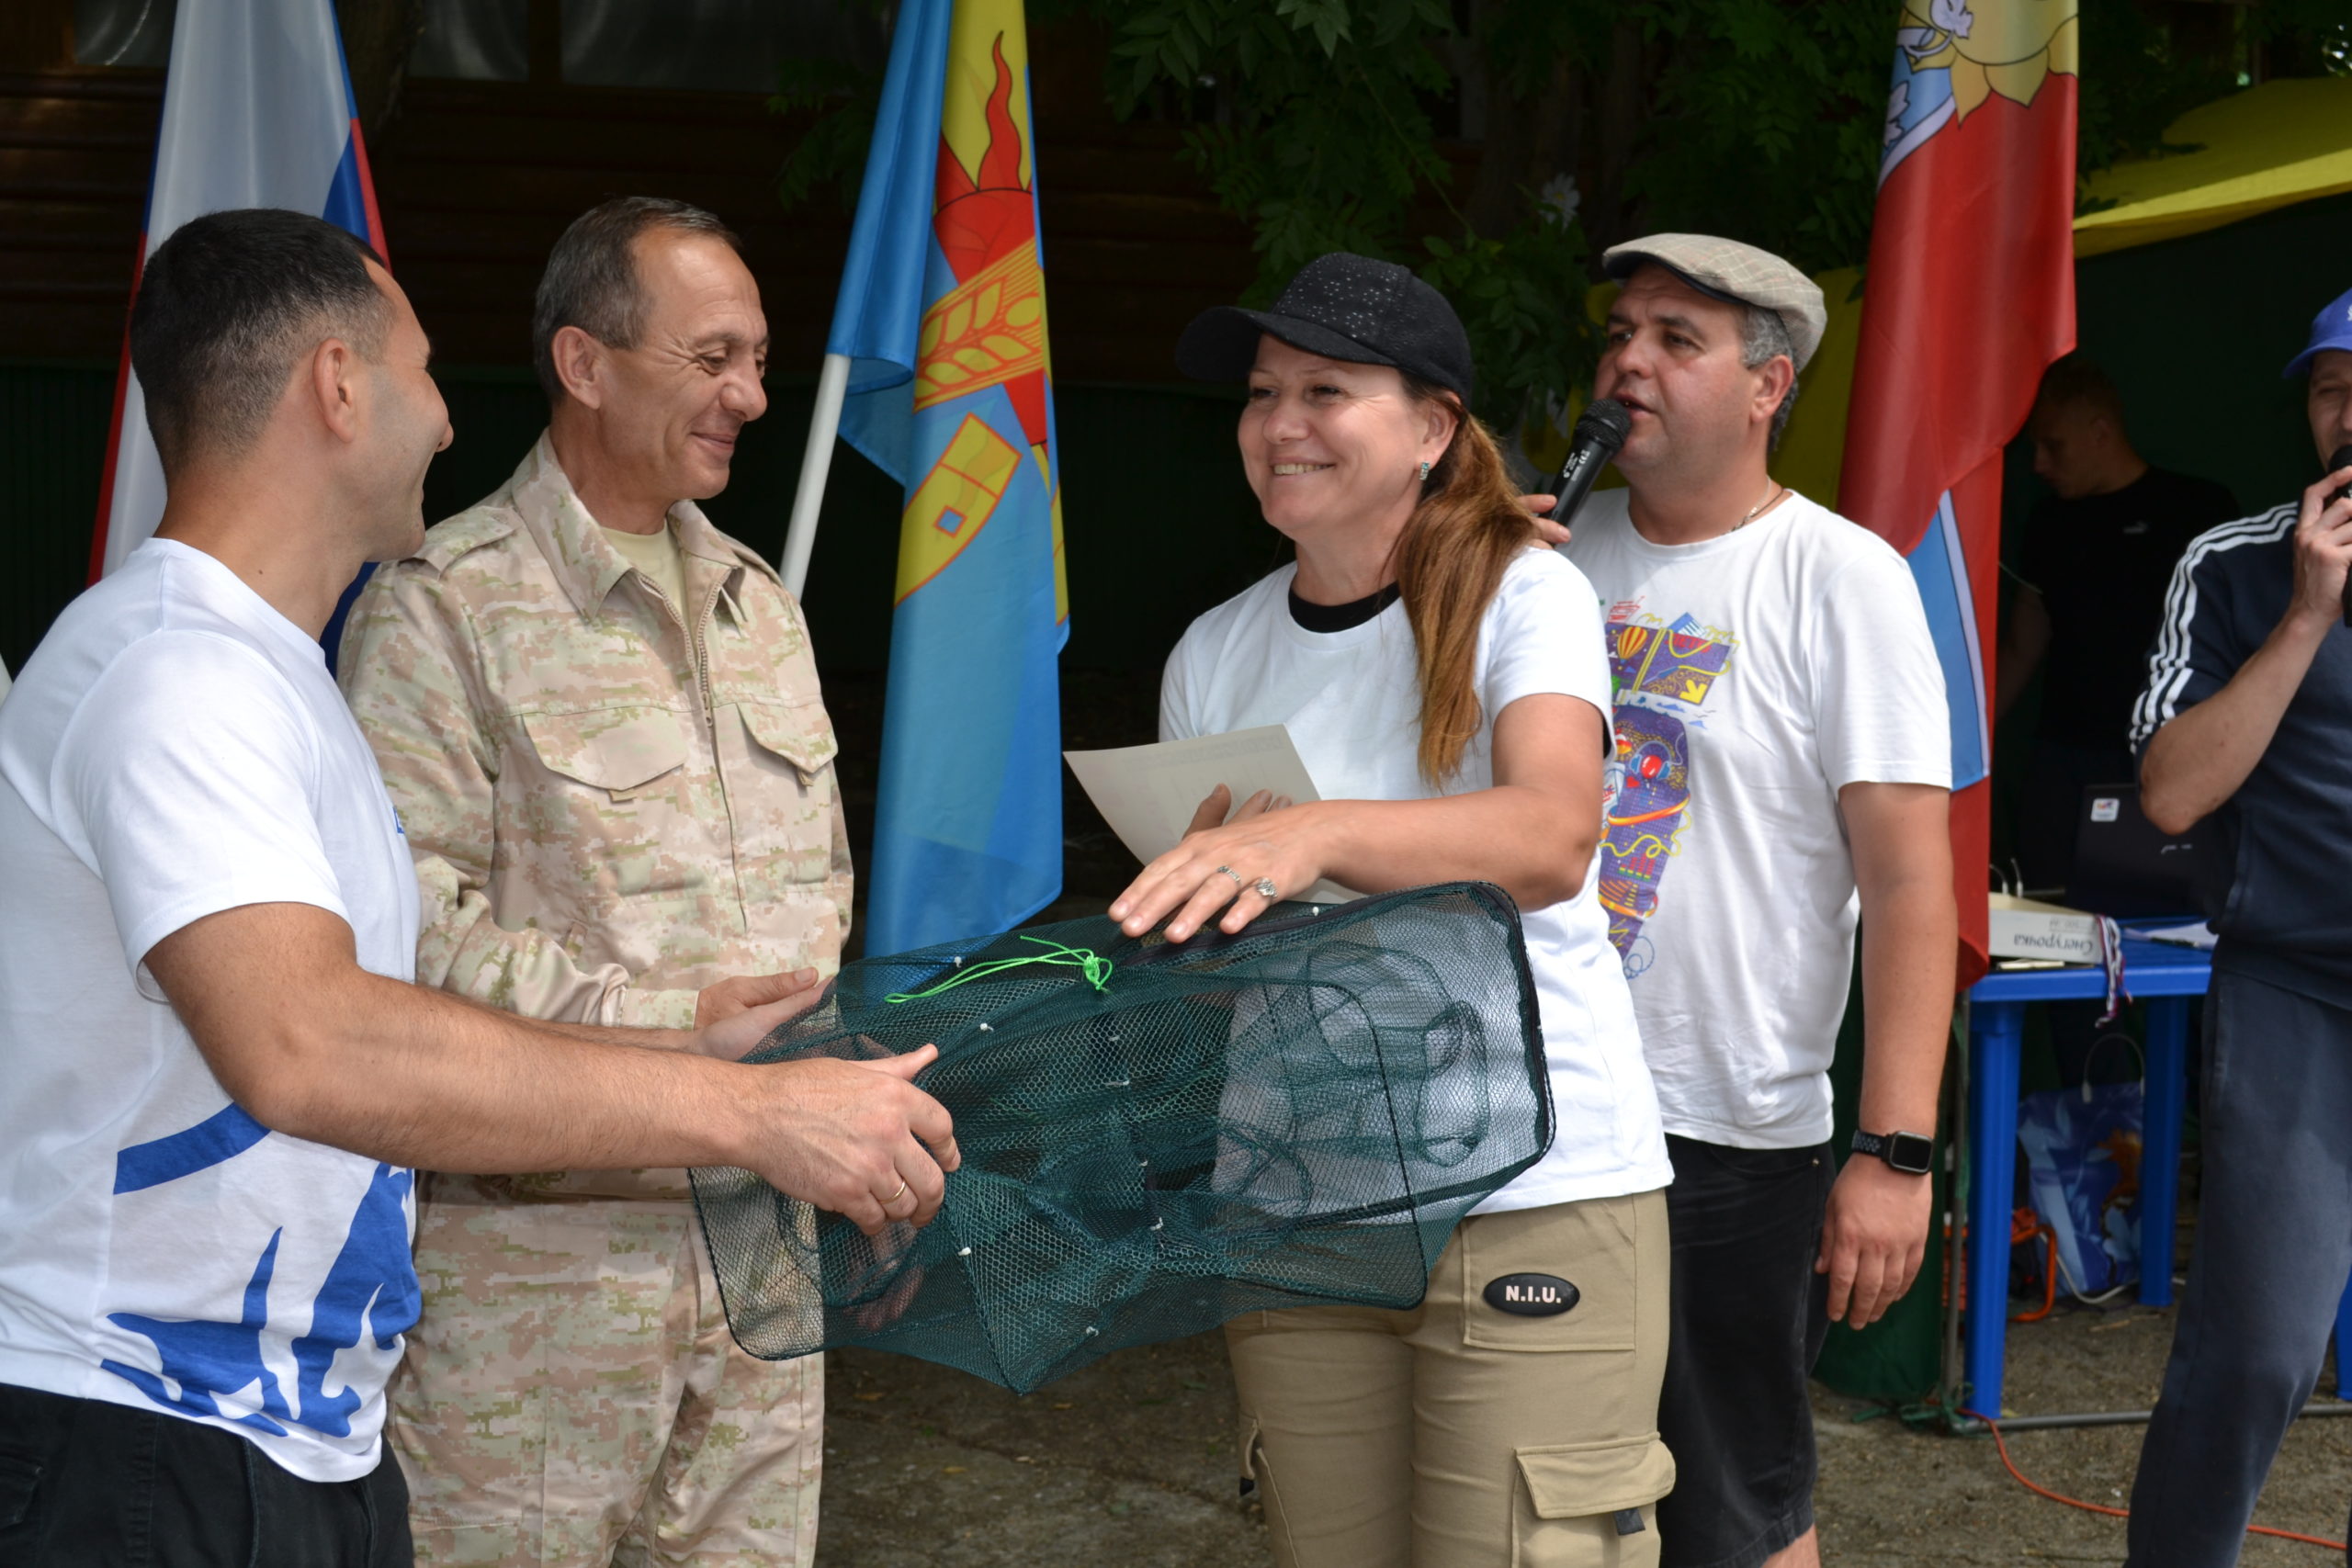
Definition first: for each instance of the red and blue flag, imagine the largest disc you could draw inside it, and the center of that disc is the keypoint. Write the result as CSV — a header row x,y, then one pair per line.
x,y
1968,295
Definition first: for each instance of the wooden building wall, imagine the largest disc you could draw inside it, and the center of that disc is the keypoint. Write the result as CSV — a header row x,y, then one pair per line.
x,y
476,179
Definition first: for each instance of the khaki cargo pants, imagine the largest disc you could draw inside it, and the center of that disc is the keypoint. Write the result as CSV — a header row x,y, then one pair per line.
x,y
571,1395
1460,1435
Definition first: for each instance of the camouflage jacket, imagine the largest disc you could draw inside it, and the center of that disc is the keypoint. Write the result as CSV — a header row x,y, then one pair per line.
x,y
611,803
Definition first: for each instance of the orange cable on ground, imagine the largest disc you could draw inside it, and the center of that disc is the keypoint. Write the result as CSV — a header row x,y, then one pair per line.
x,y
2019,1477
2024,1225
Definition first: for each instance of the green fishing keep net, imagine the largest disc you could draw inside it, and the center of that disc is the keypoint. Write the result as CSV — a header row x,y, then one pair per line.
x,y
1158,1136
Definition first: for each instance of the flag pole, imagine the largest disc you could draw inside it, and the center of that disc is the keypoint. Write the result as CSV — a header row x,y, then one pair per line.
x,y
815,463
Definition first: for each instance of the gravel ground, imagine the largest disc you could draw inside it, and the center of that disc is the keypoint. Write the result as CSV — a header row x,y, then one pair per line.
x,y
1131,1461
1890,1495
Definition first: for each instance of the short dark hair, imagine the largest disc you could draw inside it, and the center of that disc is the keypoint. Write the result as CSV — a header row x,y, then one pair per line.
x,y
2076,381
592,283
1763,336
227,304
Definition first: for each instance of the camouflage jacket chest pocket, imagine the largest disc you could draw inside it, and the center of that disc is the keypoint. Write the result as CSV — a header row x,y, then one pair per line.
x,y
780,785
613,796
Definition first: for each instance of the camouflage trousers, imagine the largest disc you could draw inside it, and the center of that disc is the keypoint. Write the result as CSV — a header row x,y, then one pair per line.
x,y
573,1397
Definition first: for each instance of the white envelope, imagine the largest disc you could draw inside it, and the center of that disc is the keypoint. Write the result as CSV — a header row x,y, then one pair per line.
x,y
1148,793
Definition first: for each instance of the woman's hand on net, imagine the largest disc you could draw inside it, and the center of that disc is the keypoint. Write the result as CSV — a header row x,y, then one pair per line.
x,y
1227,865
1217,809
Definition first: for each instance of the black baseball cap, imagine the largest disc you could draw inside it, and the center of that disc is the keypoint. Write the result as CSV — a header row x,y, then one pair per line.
x,y
1342,307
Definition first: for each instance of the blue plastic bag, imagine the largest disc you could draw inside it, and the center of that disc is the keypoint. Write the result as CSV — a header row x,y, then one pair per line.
x,y
2082,1150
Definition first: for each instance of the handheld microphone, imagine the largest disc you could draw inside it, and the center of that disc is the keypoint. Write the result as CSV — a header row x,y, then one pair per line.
x,y
2342,459
1599,431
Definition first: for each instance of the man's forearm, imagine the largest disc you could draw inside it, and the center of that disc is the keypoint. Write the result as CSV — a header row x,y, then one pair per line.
x,y
418,1078
1902,844
2201,757
1910,938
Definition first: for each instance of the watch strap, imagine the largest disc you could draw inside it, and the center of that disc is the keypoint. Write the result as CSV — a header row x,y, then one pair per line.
x,y
1885,1146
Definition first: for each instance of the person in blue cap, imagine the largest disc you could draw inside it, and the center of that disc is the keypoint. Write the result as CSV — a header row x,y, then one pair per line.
x,y
2248,716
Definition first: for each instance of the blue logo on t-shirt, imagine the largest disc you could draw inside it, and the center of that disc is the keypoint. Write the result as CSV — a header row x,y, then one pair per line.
x,y
371,1291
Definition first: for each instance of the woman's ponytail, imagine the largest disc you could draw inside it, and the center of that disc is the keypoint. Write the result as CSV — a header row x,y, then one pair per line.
x,y
1450,561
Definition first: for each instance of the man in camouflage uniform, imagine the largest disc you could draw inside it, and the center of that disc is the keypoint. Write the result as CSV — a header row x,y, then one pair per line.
x,y
600,720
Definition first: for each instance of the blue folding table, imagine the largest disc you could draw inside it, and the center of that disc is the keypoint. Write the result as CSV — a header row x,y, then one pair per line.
x,y
2164,976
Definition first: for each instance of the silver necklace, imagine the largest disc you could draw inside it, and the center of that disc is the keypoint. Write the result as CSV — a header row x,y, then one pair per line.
x,y
1771,497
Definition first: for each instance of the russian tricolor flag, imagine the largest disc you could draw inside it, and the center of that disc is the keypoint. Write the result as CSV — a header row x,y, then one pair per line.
x,y
257,112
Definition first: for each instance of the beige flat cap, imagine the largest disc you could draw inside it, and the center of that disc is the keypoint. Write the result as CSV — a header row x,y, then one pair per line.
x,y
1741,274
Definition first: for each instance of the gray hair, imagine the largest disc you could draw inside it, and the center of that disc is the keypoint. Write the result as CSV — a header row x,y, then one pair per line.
x,y
592,283
1763,335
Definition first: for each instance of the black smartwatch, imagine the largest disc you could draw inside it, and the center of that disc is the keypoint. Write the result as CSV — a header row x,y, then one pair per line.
x,y
1912,1153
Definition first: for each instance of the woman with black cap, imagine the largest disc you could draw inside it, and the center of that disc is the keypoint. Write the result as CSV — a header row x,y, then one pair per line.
x,y
1444,680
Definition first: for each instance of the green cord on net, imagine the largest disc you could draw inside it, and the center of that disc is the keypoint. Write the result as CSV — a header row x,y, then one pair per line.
x,y
1096,968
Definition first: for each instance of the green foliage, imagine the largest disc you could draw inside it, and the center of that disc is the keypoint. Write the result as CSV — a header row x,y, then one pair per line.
x,y
2139,76
1551,128
1522,300
1770,122
1315,120
832,152
1320,134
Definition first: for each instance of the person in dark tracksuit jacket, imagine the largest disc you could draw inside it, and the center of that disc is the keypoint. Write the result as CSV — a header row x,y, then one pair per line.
x,y
2247,718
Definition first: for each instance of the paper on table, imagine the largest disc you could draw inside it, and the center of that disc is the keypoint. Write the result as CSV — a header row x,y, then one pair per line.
x,y
1148,793
2196,934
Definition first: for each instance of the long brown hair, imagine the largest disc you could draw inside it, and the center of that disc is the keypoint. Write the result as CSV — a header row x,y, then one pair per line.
x,y
1450,561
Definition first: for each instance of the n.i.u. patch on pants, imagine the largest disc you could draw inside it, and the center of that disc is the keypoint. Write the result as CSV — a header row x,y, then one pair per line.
x,y
1530,1295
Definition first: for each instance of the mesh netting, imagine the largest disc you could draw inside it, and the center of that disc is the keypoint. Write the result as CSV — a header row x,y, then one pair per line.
x,y
1299,1114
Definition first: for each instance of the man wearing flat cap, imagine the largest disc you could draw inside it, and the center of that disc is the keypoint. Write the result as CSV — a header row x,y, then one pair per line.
x,y
1782,764
2247,718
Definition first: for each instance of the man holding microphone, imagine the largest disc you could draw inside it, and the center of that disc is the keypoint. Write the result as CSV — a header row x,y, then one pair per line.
x,y
2248,718
1783,767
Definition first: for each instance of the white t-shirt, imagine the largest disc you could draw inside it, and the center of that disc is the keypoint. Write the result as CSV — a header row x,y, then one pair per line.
x,y
175,748
1757,673
1352,703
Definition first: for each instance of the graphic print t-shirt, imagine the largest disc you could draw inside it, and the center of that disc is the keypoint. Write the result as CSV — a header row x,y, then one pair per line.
x,y
1757,674
174,749
1352,703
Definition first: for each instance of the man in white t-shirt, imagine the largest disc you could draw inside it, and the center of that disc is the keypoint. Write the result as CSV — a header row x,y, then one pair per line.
x,y
215,1075
1782,764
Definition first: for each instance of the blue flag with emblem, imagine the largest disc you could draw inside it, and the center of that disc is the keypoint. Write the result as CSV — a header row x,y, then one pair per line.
x,y
941,315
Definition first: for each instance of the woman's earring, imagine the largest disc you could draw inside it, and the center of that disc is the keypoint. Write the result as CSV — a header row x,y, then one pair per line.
x,y
1425,473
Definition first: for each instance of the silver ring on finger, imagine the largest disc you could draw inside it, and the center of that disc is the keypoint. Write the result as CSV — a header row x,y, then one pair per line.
x,y
1264,887
1228,870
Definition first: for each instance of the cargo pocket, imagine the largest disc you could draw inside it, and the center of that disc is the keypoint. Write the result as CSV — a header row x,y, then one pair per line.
x,y
610,794
618,750
781,796
801,734
1590,1505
